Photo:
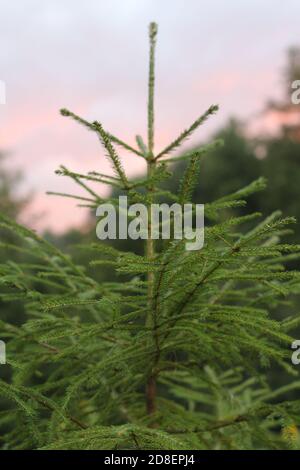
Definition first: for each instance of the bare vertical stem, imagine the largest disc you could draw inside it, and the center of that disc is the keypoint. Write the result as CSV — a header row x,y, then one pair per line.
x,y
151,80
150,249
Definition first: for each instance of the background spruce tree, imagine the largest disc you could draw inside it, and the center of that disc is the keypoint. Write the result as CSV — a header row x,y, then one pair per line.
x,y
170,356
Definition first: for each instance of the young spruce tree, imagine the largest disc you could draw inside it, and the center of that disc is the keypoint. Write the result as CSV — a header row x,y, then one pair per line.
x,y
173,357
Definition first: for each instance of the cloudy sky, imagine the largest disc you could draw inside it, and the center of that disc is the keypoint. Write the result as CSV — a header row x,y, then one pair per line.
x,y
91,56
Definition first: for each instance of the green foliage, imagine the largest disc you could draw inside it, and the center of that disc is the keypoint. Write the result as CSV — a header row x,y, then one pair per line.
x,y
172,354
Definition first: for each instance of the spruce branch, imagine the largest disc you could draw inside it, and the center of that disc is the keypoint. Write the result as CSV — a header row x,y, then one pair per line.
x,y
189,179
92,127
115,182
188,132
200,151
73,196
77,178
150,249
142,146
112,155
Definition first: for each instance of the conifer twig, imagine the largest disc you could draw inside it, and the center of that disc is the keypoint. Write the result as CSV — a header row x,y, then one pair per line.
x,y
92,127
187,132
45,403
77,178
73,196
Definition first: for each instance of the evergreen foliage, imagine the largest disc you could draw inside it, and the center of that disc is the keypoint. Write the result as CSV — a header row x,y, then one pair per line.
x,y
172,355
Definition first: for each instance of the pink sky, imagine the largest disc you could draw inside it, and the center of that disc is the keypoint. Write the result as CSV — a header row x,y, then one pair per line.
x,y
91,57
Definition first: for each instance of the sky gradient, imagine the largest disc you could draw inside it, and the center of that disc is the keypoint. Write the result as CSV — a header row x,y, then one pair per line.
x,y
91,57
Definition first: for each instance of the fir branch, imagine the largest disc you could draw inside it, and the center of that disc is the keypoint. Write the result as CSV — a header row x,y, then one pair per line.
x,y
201,151
188,132
64,171
189,179
92,127
112,155
142,146
72,196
